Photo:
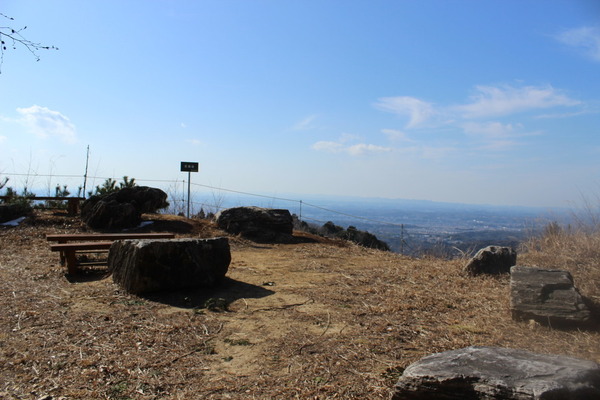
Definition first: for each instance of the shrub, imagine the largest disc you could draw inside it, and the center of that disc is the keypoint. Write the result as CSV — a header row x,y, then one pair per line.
x,y
58,192
110,185
20,205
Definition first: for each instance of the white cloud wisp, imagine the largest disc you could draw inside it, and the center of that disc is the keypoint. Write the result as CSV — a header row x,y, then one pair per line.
x,y
474,117
585,38
305,124
353,150
418,111
490,101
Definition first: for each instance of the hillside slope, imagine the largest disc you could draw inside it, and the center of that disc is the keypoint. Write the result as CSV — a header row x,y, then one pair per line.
x,y
316,320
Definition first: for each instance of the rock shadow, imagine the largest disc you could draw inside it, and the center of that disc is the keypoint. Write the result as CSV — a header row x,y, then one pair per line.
x,y
88,275
181,227
594,306
217,297
279,239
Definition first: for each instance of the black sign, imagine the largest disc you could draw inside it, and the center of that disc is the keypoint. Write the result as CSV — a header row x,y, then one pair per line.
x,y
189,166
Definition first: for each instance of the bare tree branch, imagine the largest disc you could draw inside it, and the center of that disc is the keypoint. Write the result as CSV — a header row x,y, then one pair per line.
x,y
11,38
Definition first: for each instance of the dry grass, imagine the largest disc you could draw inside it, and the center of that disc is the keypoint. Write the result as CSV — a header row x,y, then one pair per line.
x,y
575,249
303,321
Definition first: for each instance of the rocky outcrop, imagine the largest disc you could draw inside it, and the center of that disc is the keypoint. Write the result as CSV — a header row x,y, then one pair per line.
x,y
546,296
329,229
498,373
263,225
144,266
9,212
492,260
123,208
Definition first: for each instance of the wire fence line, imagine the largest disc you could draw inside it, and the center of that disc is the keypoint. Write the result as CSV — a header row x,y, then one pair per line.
x,y
216,205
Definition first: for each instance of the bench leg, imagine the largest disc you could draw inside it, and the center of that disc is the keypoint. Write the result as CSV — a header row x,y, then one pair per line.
x,y
71,262
62,253
72,207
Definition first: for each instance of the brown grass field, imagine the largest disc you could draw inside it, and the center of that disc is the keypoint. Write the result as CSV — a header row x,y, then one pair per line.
x,y
315,320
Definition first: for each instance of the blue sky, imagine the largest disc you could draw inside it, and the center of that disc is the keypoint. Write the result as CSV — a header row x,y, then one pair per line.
x,y
481,102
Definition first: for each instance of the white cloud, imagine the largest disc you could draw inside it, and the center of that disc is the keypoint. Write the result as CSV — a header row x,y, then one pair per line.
x,y
585,38
495,135
487,101
363,148
564,115
474,119
353,150
183,125
418,111
44,123
305,124
490,101
2,139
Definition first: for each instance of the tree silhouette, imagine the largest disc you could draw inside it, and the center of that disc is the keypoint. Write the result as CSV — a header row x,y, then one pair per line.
x,y
11,38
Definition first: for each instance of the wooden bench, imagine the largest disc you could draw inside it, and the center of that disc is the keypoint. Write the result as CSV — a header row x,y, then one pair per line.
x,y
69,244
89,237
68,252
72,202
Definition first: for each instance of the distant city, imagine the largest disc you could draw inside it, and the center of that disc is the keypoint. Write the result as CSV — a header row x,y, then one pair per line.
x,y
416,227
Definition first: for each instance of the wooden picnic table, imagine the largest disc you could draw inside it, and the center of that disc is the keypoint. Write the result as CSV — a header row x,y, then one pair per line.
x,y
72,237
69,244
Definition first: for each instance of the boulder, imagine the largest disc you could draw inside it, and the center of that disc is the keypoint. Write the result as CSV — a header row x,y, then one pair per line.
x,y
546,296
144,266
12,211
259,224
492,260
498,373
123,208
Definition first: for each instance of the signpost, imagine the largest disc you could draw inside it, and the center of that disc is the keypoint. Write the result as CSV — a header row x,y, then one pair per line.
x,y
189,167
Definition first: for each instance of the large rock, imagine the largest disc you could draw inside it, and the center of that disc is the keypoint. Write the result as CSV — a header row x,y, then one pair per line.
x,y
259,224
498,373
144,266
492,260
123,208
546,296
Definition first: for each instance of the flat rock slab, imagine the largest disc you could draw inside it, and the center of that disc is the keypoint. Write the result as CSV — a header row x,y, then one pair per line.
x,y
546,296
498,373
153,265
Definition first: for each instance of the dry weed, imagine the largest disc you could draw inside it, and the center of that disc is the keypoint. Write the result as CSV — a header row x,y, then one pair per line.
x,y
575,249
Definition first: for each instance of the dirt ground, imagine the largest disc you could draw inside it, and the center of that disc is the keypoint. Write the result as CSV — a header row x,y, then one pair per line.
x,y
312,320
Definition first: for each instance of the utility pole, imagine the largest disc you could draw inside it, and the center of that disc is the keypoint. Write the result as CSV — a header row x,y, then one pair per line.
x,y
402,239
87,159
